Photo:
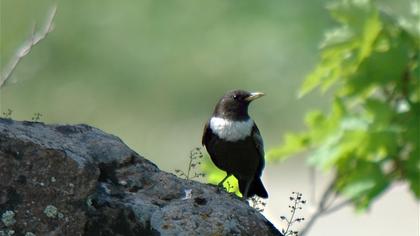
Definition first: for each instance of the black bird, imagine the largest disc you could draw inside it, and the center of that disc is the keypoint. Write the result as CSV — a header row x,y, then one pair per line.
x,y
234,142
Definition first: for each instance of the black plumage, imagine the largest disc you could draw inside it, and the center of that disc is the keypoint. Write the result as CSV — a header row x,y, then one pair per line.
x,y
234,142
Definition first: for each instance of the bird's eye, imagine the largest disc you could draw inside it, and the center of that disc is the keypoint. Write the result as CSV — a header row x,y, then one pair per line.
x,y
235,97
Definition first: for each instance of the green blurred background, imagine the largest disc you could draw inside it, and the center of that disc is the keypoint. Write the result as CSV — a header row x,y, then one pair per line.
x,y
150,72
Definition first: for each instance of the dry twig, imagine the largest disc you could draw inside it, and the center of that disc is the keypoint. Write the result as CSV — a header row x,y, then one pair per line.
x,y
27,46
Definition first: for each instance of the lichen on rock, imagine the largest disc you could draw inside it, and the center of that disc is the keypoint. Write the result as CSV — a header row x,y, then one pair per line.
x,y
8,218
51,211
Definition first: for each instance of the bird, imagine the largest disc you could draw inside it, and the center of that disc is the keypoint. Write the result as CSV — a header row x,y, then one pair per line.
x,y
234,142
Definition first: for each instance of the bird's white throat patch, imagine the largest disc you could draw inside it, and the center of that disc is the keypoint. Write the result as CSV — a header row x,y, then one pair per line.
x,y
230,130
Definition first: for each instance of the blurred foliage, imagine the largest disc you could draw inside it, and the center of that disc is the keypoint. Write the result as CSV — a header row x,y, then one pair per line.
x,y
150,71
370,137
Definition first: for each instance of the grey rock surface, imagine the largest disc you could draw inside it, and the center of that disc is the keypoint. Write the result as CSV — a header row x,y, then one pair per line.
x,y
79,180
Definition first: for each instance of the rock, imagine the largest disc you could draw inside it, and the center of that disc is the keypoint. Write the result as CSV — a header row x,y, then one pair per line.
x,y
79,180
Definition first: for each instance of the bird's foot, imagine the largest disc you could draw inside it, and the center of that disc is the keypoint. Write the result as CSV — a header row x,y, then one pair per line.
x,y
220,188
245,199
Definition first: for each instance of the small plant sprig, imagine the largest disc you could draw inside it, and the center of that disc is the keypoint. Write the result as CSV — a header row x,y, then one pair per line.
x,y
195,161
296,204
37,116
7,114
257,203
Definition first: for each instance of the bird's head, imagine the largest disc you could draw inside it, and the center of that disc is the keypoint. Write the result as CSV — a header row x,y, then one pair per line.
x,y
234,104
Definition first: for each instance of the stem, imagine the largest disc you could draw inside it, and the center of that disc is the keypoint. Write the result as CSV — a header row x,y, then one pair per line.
x,y
289,223
189,166
26,48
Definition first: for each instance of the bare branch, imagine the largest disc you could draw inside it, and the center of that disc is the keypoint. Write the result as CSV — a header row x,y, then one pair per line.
x,y
337,207
325,206
326,195
27,46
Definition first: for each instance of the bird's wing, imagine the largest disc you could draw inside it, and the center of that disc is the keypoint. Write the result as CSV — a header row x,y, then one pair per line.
x,y
259,144
206,134
258,141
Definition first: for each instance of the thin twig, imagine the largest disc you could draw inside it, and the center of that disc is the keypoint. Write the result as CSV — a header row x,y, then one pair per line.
x,y
324,207
312,180
337,206
326,195
190,165
27,46
319,210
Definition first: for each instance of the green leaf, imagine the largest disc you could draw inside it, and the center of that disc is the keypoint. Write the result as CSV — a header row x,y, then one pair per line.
x,y
336,37
371,30
314,119
372,61
378,145
354,123
315,78
337,147
328,153
379,69
380,112
351,12
336,63
411,118
412,171
362,181
293,143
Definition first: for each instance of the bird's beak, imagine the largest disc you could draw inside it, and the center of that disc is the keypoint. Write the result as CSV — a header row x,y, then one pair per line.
x,y
254,96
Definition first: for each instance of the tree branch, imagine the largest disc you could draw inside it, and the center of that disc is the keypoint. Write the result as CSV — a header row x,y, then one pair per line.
x,y
337,206
27,46
324,208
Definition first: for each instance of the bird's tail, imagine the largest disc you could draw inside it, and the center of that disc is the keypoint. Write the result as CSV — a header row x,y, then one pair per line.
x,y
256,188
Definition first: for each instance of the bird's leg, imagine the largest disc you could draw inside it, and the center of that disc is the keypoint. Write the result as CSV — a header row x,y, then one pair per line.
x,y
223,180
220,185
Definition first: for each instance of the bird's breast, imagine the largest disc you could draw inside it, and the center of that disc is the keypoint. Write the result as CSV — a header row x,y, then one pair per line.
x,y
231,130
